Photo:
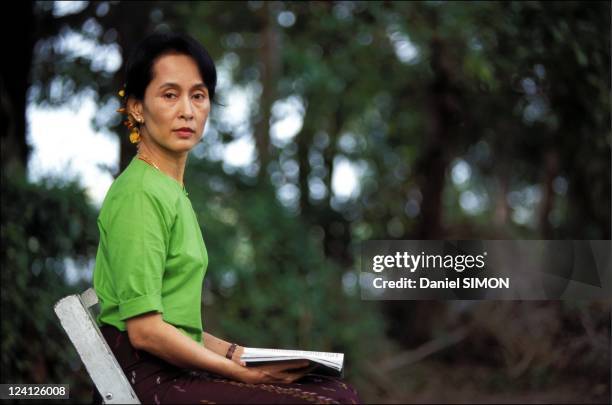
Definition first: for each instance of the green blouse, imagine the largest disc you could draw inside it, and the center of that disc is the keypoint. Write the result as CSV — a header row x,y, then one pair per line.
x,y
151,255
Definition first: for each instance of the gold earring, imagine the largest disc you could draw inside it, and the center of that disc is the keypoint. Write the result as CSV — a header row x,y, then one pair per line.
x,y
135,134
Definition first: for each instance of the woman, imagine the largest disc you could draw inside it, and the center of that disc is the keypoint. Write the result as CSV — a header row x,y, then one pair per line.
x,y
152,258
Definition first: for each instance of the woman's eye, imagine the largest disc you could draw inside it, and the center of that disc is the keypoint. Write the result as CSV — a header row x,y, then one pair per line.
x,y
200,96
169,95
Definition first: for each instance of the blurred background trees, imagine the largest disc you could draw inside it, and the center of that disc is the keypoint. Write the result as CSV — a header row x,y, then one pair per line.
x,y
482,120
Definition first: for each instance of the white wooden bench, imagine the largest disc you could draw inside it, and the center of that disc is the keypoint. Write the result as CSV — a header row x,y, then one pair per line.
x,y
74,314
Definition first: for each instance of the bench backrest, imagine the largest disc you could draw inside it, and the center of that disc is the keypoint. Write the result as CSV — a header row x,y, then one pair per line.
x,y
100,362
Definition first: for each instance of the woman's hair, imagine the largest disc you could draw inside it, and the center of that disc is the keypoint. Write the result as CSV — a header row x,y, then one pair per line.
x,y
139,68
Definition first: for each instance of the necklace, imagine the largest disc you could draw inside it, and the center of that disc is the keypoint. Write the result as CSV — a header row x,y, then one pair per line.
x,y
150,162
146,159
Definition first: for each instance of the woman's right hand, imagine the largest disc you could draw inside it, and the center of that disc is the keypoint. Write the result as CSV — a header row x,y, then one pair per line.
x,y
284,372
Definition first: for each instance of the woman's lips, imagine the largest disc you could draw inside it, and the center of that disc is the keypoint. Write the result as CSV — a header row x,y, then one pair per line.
x,y
184,133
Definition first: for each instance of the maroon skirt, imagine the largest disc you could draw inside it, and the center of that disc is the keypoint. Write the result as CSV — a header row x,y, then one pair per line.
x,y
156,381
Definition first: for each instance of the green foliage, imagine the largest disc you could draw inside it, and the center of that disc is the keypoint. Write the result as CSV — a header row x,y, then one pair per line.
x,y
42,225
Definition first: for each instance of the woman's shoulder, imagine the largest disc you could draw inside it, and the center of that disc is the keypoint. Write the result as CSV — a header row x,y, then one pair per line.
x,y
138,181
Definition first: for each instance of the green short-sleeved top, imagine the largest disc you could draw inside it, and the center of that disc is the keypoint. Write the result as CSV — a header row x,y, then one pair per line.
x,y
151,255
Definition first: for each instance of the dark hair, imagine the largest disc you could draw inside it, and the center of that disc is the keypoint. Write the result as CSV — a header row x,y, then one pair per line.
x,y
139,68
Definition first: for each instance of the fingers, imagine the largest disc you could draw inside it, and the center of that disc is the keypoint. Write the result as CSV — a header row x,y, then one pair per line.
x,y
284,372
294,376
290,376
284,378
287,365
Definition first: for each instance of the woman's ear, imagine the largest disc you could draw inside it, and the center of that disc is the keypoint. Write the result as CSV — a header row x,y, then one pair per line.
x,y
134,108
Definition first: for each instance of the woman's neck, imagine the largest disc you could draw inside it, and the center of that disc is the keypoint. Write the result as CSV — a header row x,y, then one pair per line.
x,y
170,164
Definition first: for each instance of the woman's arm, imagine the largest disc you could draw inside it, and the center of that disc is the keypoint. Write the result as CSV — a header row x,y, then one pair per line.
x,y
221,346
151,333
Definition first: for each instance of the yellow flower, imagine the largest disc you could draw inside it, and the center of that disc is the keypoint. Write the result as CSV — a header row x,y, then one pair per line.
x,y
121,93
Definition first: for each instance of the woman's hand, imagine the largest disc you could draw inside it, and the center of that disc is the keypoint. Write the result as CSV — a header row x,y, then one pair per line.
x,y
284,372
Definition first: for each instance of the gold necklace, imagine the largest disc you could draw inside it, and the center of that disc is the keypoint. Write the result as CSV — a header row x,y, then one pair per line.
x,y
146,159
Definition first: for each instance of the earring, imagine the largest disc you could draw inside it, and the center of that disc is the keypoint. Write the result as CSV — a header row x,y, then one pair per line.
x,y
135,134
134,128
131,121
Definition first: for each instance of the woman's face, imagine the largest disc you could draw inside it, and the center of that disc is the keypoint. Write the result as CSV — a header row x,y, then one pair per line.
x,y
176,98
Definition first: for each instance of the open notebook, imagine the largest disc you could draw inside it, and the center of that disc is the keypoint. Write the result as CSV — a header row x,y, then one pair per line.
x,y
327,363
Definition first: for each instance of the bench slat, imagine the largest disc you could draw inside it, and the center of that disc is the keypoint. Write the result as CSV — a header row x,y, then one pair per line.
x,y
89,298
99,360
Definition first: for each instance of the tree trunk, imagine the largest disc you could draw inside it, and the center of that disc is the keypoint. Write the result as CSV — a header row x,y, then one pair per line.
x,y
435,159
303,140
14,84
551,169
269,65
